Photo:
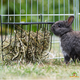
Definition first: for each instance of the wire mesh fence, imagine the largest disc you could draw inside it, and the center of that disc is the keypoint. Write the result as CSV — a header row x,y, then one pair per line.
x,y
24,11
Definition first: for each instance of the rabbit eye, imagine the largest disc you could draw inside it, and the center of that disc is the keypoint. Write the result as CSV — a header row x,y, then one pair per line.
x,y
59,25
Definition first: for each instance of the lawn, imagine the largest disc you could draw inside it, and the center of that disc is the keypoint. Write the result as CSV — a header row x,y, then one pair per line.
x,y
47,70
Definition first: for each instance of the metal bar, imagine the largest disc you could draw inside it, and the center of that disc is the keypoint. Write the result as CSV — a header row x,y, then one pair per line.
x,y
2,41
59,19
28,40
64,9
36,39
59,8
8,17
31,10
30,23
20,10
47,26
53,10
56,58
2,9
8,10
21,31
74,11
69,6
11,36
44,38
48,10
42,10
29,31
14,14
37,34
29,35
54,19
31,14
38,14
15,37
56,42
26,14
78,15
5,32
50,44
37,10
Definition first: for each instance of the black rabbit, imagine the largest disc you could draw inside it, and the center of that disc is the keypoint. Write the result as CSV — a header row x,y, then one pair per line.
x,y
70,40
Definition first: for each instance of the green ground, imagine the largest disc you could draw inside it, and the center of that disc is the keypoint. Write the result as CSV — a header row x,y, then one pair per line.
x,y
48,70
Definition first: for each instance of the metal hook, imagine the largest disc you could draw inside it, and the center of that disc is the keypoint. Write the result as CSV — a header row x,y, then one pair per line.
x,y
41,17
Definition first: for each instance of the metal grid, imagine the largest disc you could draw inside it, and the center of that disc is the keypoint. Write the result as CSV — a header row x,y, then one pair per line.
x,y
75,9
55,40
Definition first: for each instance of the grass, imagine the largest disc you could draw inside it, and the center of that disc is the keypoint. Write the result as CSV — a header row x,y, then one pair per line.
x,y
50,69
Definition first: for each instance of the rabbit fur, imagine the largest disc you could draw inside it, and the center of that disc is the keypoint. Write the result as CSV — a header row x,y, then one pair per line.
x,y
70,39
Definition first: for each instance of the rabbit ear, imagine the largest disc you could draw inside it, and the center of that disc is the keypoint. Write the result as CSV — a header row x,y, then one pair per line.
x,y
70,20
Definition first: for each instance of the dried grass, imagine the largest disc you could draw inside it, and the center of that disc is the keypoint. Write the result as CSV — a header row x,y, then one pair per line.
x,y
28,46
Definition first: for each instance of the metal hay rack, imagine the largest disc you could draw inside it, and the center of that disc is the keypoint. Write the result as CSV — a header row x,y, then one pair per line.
x,y
29,33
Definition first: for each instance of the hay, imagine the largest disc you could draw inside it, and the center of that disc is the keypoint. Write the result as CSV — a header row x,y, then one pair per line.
x,y
29,46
